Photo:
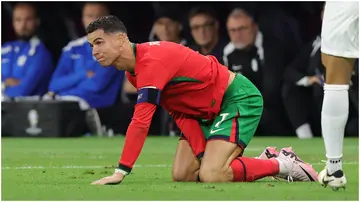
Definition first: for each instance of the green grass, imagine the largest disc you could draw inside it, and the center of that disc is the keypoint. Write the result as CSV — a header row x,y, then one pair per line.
x,y
151,179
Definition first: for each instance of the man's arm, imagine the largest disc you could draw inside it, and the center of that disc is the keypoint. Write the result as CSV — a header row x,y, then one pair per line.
x,y
64,77
295,72
6,53
149,89
136,135
40,68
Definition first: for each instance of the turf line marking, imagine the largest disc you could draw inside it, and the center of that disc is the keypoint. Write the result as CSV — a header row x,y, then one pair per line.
x,y
103,167
80,167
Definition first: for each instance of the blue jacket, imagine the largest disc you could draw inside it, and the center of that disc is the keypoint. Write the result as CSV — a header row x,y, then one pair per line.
x,y
28,61
70,76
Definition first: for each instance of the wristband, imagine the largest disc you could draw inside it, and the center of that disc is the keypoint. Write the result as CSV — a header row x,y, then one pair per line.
x,y
118,170
123,169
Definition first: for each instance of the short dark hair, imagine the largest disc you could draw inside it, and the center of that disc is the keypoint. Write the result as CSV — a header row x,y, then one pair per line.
x,y
203,10
109,24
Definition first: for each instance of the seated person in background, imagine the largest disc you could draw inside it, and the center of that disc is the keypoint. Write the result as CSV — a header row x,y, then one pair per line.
x,y
255,52
245,52
204,27
303,93
80,77
26,64
167,27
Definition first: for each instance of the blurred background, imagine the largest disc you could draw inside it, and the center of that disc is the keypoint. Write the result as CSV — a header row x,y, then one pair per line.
x,y
53,87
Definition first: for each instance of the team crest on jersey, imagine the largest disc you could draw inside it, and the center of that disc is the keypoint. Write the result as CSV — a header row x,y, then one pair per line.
x,y
21,60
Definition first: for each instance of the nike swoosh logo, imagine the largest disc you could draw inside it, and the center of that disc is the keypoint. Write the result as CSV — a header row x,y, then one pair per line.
x,y
214,131
308,174
326,182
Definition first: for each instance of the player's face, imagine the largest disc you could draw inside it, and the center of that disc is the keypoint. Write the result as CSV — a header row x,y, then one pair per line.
x,y
92,12
24,21
167,29
106,47
242,31
203,29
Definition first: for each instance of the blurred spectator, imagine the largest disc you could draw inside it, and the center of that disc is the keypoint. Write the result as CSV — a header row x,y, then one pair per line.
x,y
26,64
204,27
260,55
167,27
245,52
303,92
80,77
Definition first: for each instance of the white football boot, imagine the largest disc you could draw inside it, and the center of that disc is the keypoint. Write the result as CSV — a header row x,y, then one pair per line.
x,y
292,168
335,181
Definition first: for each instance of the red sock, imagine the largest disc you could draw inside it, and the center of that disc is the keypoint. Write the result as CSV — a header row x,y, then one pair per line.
x,y
250,169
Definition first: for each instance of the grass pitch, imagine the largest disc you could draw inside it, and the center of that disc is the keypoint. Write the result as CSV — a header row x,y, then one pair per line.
x,y
62,169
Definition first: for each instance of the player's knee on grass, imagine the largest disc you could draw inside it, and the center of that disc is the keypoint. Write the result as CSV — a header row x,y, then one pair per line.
x,y
211,173
182,174
215,166
179,175
186,166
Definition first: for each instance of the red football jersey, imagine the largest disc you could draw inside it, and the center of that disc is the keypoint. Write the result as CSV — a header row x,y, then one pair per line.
x,y
191,85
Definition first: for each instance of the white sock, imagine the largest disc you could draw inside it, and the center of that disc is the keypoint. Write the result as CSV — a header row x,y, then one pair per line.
x,y
283,170
334,116
304,131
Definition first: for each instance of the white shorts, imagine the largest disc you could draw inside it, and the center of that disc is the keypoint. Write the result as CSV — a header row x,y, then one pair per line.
x,y
340,29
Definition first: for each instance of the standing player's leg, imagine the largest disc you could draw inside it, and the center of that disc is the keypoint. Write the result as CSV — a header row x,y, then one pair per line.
x,y
190,150
339,47
232,131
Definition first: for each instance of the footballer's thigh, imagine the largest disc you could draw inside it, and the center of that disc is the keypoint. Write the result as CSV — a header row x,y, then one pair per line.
x,y
338,69
232,130
340,40
227,140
